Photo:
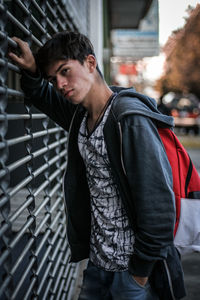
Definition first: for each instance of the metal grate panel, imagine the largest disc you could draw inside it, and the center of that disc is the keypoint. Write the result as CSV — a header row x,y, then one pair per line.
x,y
34,251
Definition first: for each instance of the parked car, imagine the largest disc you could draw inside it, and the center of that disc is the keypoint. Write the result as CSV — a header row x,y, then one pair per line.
x,y
185,108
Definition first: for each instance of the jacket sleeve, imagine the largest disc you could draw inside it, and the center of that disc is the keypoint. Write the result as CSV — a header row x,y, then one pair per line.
x,y
152,198
43,96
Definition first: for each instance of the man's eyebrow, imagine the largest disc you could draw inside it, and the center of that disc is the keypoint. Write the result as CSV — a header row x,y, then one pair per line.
x,y
52,76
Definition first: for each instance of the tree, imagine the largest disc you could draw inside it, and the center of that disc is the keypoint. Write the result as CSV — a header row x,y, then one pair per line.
x,y
182,66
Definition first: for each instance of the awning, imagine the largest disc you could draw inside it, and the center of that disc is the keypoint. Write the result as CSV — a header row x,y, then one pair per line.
x,y
127,14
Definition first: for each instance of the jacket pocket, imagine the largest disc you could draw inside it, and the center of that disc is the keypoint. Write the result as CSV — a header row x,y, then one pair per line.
x,y
167,277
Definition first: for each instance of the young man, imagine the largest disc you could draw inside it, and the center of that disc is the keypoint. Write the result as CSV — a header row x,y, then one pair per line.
x,y
118,182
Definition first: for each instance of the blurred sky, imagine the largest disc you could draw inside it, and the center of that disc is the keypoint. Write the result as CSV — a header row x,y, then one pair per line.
x,y
171,15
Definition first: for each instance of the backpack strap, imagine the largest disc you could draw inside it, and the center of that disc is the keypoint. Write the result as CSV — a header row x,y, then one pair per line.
x,y
189,174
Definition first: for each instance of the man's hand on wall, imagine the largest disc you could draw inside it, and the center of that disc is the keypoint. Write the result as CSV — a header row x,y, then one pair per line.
x,y
25,59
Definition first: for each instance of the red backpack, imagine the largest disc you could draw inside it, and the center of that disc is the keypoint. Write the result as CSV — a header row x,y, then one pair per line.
x,y
186,181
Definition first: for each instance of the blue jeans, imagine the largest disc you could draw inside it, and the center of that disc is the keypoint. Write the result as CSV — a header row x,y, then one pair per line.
x,y
103,285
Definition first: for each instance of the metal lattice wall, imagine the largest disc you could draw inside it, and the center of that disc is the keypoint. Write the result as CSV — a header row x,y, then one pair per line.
x,y
34,252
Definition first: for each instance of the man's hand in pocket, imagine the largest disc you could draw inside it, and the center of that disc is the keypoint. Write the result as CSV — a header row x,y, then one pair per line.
x,y
141,280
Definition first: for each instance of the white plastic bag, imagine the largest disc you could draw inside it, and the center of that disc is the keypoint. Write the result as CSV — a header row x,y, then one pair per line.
x,y
187,238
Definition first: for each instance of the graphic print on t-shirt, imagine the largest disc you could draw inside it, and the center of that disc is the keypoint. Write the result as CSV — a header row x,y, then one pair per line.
x,y
112,239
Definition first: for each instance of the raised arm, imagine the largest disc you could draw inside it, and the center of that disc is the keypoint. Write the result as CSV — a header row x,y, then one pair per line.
x,y
26,59
38,91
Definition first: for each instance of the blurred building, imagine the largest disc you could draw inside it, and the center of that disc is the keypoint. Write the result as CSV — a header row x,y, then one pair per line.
x,y
131,45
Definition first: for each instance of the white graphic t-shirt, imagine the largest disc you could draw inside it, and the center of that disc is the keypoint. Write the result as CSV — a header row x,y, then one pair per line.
x,y
112,239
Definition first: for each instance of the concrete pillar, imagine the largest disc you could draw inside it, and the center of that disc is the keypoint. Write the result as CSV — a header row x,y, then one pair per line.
x,y
96,29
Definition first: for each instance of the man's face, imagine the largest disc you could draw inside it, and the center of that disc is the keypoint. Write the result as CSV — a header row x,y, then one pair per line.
x,y
72,79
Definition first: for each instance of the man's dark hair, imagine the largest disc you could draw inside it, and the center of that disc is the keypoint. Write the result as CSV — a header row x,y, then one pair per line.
x,y
64,45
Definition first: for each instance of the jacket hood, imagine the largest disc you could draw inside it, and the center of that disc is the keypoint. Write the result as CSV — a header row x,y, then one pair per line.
x,y
128,101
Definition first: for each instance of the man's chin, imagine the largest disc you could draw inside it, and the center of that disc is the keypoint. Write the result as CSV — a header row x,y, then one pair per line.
x,y
72,100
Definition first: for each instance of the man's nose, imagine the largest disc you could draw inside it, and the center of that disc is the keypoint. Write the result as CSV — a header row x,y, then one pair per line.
x,y
61,82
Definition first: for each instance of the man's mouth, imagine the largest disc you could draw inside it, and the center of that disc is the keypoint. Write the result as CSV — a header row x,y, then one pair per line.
x,y
68,93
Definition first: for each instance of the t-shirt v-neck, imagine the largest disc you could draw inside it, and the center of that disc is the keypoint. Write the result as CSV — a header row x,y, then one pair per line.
x,y
108,104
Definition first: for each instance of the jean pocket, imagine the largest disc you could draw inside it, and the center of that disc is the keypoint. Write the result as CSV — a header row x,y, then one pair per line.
x,y
133,281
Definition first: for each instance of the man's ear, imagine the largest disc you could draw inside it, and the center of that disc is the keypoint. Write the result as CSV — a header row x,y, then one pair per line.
x,y
91,62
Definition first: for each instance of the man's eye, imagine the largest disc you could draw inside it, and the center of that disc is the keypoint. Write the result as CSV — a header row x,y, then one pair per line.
x,y
64,71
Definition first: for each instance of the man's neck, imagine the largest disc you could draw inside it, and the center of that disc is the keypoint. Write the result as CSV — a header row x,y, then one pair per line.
x,y
97,100
96,103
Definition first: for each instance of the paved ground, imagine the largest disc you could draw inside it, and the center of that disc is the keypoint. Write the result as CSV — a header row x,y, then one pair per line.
x,y
191,266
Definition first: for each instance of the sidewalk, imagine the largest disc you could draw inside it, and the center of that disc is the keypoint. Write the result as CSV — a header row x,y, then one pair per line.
x,y
191,267
190,141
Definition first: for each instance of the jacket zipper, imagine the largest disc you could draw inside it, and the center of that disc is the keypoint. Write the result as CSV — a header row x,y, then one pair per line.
x,y
121,151
169,279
